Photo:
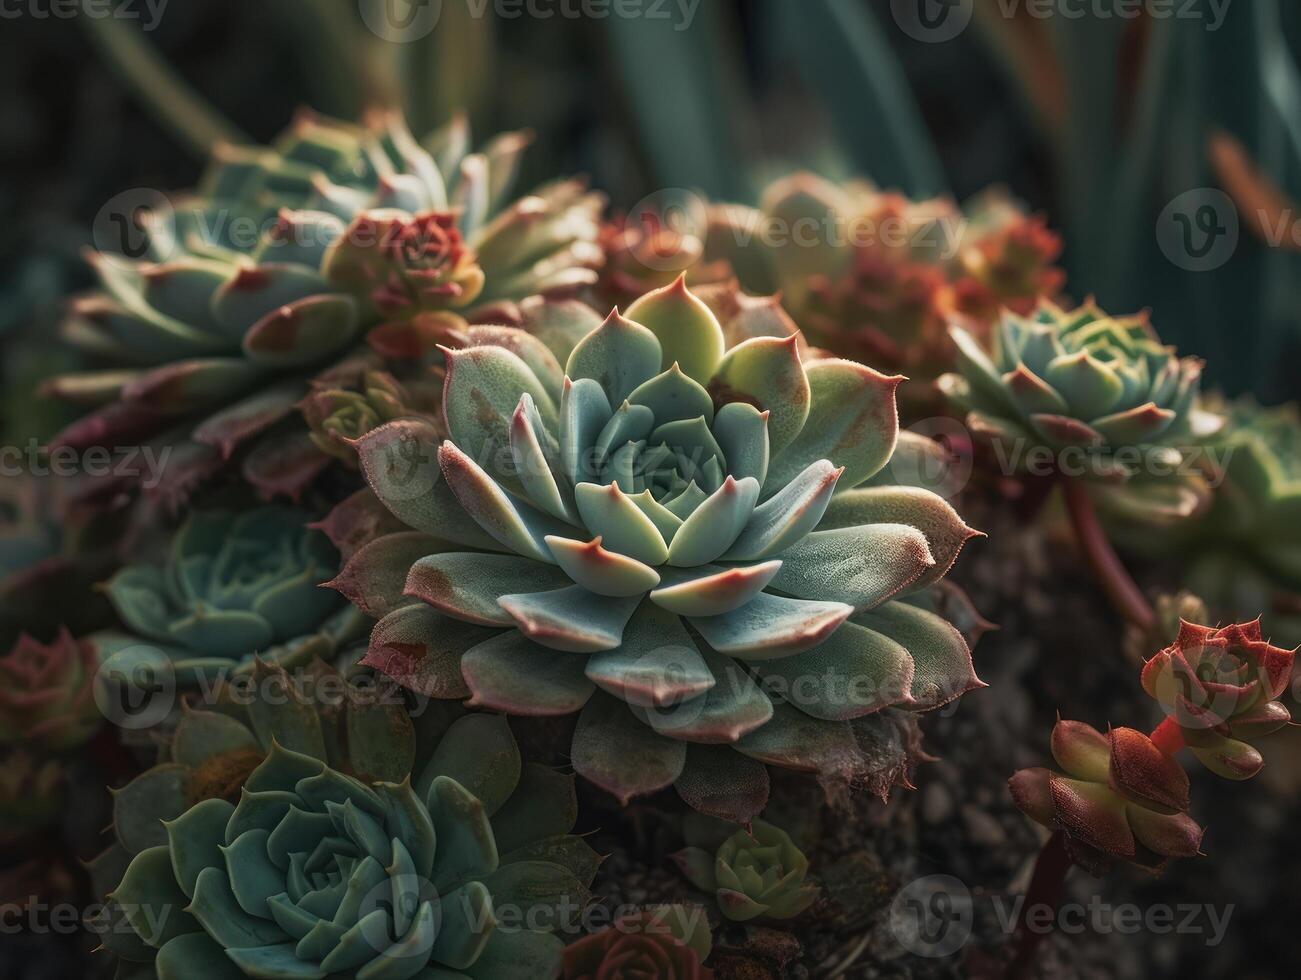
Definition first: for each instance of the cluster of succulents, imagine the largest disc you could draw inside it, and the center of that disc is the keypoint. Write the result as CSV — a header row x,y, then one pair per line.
x,y
278,267
290,834
875,276
613,498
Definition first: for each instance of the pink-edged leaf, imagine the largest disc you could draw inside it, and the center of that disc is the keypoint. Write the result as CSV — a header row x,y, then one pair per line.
x,y
374,578
510,673
233,426
284,464
358,519
421,649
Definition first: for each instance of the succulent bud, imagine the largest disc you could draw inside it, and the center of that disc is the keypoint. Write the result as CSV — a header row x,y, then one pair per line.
x,y
756,873
1220,686
1119,797
47,693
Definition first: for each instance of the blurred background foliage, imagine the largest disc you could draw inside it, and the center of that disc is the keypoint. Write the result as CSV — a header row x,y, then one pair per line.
x,y
1098,121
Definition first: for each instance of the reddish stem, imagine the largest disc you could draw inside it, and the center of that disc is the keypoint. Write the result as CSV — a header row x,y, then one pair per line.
x,y
1168,736
1046,887
1107,567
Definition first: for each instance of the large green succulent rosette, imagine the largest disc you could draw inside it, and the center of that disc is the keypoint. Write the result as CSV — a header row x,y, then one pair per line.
x,y
285,836
281,264
233,586
1243,556
1092,397
670,535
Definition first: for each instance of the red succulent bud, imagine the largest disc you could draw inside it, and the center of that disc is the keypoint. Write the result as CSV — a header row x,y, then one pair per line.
x,y
1220,686
1119,798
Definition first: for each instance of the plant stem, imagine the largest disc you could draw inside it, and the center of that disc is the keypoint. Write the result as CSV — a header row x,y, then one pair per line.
x,y
172,99
1168,736
1046,886
1121,589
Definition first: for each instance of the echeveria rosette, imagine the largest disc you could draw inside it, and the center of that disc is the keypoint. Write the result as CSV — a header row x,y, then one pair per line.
x,y
1100,394
47,696
263,279
1119,797
1221,688
341,412
657,536
661,943
234,586
757,873
312,872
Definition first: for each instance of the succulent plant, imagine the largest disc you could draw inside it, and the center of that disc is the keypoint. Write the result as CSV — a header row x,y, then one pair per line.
x,y
279,266
1099,396
234,585
665,536
1119,797
1243,555
31,794
757,873
47,697
307,840
1221,687
342,412
643,252
876,276
664,943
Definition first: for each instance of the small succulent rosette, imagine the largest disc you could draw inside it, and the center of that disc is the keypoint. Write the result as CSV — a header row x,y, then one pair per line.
x,y
345,407
47,693
1221,687
278,266
234,586
757,873
662,943
287,840
1087,396
665,535
32,794
1118,798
